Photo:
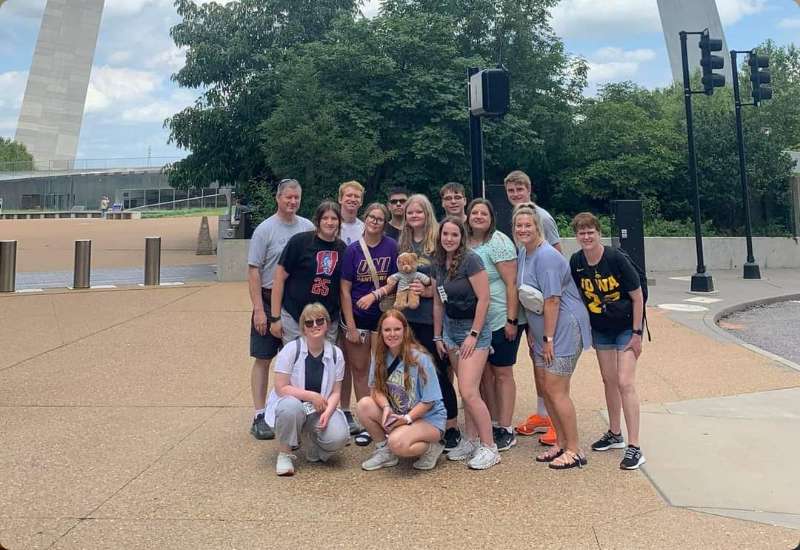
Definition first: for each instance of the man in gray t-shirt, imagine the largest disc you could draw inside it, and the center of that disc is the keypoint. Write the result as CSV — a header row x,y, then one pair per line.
x,y
268,241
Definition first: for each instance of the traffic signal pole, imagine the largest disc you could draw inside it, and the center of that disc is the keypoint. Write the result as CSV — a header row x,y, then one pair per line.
x,y
701,281
751,269
476,148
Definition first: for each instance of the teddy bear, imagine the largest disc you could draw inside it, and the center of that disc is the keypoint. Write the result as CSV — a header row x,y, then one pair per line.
x,y
406,274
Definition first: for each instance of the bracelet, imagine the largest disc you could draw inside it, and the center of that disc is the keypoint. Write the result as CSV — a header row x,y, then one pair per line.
x,y
438,339
408,419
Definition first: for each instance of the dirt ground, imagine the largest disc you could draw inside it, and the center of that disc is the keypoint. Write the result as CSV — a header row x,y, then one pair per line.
x,y
49,245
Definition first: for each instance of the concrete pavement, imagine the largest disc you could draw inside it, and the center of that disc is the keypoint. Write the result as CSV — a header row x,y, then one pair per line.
x,y
124,417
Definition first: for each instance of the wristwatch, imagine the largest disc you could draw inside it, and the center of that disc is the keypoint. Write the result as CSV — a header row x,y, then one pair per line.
x,y
511,321
548,338
639,331
272,319
473,333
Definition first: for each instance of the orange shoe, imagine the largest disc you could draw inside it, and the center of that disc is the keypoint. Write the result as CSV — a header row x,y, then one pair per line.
x,y
533,424
549,438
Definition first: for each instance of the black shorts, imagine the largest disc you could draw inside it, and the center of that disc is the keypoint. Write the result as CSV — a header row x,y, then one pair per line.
x,y
267,346
504,352
366,323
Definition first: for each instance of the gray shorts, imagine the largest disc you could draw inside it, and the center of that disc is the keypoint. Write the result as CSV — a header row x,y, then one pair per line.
x,y
291,329
563,365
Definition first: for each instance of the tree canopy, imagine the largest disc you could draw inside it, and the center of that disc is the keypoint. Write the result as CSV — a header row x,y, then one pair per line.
x,y
14,156
313,90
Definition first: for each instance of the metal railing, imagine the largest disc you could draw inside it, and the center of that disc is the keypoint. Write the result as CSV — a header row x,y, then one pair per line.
x,y
21,167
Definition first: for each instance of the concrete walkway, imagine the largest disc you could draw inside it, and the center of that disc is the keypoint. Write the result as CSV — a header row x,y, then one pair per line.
x,y
124,418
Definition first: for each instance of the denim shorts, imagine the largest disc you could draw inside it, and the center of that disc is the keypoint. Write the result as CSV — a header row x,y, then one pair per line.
x,y
457,330
611,340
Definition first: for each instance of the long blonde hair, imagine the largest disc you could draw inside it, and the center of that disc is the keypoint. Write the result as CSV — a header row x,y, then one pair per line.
x,y
408,346
405,244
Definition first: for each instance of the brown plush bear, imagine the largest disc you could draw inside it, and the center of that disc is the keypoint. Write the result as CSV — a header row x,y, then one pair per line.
x,y
406,274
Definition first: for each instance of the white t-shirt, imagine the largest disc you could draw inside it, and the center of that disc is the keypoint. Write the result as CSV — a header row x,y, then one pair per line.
x,y
352,231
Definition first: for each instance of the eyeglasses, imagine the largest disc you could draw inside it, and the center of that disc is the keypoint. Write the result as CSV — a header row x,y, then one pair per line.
x,y
397,201
374,219
319,321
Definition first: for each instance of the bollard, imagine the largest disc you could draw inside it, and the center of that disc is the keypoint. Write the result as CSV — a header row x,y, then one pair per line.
x,y
152,261
83,263
8,266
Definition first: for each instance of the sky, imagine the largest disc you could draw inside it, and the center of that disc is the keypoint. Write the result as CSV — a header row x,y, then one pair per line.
x,y
130,91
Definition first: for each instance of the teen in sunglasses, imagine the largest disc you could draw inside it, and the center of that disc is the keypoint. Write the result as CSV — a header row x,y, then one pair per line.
x,y
305,401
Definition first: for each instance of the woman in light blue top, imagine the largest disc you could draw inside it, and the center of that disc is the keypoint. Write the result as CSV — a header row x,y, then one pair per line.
x,y
499,256
404,413
558,335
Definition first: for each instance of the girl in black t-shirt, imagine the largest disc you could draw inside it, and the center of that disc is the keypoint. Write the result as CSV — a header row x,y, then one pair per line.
x,y
610,288
461,302
313,260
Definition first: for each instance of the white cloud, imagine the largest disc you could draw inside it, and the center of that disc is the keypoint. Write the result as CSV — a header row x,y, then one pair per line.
x,y
116,8
731,11
119,57
171,59
611,54
157,110
789,23
611,64
576,18
110,86
13,85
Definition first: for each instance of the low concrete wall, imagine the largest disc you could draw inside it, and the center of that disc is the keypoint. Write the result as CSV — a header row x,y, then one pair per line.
x,y
232,259
678,253
662,254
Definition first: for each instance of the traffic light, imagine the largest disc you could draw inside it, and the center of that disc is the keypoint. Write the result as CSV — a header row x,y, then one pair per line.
x,y
710,62
760,77
490,93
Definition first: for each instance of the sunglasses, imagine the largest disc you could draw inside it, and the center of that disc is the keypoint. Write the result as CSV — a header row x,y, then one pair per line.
x,y
397,201
319,321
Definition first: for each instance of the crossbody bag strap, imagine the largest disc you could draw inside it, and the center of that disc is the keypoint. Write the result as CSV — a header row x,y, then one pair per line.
x,y
392,367
368,257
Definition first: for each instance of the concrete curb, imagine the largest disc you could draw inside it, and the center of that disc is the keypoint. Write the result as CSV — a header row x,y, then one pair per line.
x,y
712,319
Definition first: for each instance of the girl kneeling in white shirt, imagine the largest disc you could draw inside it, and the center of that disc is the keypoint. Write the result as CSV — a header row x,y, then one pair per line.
x,y
305,399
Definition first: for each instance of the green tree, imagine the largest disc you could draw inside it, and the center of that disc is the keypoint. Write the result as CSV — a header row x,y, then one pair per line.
x,y
14,157
233,56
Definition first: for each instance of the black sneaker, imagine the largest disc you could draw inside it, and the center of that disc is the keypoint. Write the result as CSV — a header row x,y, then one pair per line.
x,y
260,429
503,439
352,424
452,437
609,440
633,458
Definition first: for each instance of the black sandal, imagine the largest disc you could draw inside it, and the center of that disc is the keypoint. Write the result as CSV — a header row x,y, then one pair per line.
x,y
363,439
548,457
577,461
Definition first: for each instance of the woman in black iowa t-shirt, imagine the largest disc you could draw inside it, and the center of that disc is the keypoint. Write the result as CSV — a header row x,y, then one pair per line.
x,y
611,291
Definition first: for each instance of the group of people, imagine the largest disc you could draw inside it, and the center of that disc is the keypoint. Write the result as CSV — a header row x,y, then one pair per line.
x,y
396,306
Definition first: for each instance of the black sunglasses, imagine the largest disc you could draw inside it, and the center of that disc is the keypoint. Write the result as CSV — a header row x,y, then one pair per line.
x,y
319,321
398,201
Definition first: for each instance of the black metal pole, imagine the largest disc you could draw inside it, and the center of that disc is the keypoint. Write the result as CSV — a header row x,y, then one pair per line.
x,y
751,269
475,147
701,281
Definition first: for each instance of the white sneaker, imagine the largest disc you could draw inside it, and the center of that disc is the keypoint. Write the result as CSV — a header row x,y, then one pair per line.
x,y
428,459
485,457
284,465
381,457
463,451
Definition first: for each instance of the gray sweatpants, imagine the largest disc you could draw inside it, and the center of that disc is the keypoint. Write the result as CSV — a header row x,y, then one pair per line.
x,y
291,421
